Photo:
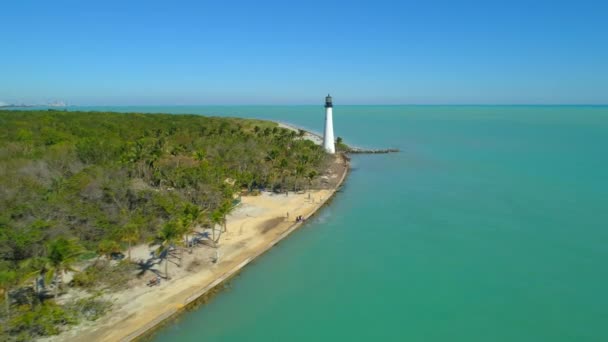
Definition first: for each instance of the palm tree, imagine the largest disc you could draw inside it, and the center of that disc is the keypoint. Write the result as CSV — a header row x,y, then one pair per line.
x,y
217,218
311,176
62,254
283,170
225,210
340,144
191,215
299,172
187,228
272,155
130,234
301,167
168,237
7,279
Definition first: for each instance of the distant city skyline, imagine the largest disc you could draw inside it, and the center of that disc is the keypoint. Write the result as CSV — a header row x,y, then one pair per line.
x,y
284,53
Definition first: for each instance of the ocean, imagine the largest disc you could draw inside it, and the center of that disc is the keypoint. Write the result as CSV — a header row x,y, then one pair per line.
x,y
491,224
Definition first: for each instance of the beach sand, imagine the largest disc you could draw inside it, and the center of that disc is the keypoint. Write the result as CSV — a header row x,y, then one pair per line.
x,y
257,224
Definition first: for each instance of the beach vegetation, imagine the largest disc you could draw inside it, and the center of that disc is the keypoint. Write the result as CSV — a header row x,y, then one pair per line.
x,y
50,318
77,189
341,146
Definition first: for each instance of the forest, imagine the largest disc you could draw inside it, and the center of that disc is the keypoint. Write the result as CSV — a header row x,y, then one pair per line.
x,y
80,185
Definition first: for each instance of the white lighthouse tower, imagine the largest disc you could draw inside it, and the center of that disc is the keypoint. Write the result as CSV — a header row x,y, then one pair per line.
x,y
328,137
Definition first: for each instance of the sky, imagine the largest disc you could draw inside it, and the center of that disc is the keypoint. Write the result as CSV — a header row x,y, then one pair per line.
x,y
295,52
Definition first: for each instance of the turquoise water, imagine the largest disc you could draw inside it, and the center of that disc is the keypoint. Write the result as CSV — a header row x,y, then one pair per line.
x,y
491,225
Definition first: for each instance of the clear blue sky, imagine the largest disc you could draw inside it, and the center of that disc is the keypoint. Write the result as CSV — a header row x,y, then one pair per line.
x,y
294,52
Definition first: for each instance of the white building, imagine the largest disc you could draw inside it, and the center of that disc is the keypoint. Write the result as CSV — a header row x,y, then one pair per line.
x,y
328,137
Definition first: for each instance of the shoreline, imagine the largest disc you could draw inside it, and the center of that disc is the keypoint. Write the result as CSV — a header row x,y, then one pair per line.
x,y
144,311
151,327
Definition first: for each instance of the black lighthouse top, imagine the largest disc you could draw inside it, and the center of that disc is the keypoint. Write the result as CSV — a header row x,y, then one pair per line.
x,y
328,103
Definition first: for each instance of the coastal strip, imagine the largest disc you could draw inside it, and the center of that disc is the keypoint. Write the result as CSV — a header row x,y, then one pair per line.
x,y
179,307
257,225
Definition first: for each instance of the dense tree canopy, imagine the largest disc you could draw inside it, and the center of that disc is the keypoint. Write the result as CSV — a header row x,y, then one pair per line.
x,y
100,177
82,185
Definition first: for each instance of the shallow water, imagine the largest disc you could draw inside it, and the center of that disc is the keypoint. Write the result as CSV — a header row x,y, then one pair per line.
x,y
490,225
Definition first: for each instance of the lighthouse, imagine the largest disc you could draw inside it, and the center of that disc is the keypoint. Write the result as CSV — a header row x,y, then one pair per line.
x,y
328,137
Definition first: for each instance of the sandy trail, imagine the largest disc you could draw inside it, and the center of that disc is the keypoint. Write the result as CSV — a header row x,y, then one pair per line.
x,y
252,228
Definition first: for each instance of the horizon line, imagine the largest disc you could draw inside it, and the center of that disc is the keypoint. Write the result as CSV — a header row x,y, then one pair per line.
x,y
302,105
343,104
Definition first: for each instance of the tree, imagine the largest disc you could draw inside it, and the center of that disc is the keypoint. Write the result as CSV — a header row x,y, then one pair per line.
x,y
7,280
130,234
111,179
168,237
301,168
340,144
311,176
299,172
62,254
225,210
283,170
217,218
272,155
191,215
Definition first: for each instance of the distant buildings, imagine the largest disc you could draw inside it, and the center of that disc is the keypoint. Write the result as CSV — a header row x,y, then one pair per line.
x,y
56,103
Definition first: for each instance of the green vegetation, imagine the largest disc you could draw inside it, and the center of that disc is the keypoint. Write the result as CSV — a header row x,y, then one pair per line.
x,y
104,276
77,188
341,146
48,318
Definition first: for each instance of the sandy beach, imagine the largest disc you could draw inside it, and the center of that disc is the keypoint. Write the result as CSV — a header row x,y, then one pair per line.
x,y
257,224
